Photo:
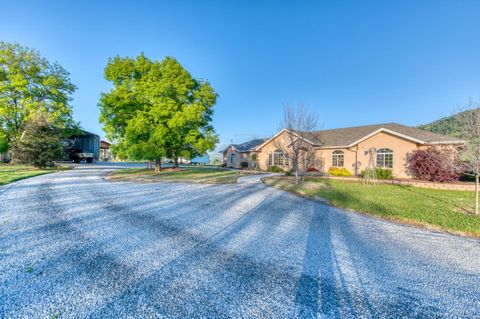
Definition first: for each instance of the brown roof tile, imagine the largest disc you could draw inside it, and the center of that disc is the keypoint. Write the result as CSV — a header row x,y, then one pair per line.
x,y
349,135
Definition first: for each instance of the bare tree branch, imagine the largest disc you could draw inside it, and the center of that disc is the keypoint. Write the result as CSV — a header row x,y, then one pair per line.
x,y
302,137
470,155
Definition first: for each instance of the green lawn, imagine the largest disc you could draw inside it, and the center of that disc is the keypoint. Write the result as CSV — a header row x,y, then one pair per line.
x,y
447,210
10,173
207,175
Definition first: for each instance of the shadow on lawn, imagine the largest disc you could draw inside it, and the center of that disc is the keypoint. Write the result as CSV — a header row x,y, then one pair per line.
x,y
438,199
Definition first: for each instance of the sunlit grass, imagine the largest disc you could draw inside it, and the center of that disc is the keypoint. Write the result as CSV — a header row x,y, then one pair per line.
x,y
188,175
448,210
11,173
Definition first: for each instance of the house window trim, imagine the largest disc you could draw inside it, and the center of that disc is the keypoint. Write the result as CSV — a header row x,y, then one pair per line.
x,y
384,151
335,158
278,158
232,158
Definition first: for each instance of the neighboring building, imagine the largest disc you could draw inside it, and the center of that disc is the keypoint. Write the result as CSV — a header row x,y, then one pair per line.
x,y
200,160
84,146
347,147
105,153
235,154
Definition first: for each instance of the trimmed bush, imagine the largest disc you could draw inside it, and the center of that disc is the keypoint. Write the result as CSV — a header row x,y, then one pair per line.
x,y
467,177
40,143
312,169
339,171
275,169
432,164
244,164
381,173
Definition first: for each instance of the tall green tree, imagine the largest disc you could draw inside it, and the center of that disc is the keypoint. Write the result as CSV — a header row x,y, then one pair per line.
x,y
3,142
157,109
29,84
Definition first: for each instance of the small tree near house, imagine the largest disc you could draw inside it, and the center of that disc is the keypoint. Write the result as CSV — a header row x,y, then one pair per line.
x,y
470,155
433,164
302,136
40,143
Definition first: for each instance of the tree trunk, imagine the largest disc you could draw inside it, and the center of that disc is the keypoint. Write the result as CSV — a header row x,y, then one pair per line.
x,y
175,162
476,193
295,167
158,165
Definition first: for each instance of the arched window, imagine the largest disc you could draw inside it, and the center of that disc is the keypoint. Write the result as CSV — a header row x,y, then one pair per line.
x,y
385,158
337,158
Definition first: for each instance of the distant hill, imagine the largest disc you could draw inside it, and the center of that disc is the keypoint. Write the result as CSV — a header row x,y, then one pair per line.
x,y
449,125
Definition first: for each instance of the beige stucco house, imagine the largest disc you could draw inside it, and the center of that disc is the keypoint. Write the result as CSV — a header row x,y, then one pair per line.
x,y
343,147
235,154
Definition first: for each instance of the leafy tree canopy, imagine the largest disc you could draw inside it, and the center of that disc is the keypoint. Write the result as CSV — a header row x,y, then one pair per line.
x,y
157,109
29,84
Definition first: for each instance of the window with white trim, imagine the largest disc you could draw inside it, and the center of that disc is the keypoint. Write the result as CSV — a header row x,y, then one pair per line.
x,y
338,158
385,158
278,158
232,158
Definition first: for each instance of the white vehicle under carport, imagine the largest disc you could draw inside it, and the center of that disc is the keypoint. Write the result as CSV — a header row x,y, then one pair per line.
x,y
87,157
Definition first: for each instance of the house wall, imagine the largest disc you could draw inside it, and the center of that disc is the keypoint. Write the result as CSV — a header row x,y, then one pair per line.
x,y
279,142
325,158
355,159
400,147
227,160
239,157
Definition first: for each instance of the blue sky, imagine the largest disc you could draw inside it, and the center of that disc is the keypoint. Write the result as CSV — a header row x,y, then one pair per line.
x,y
352,62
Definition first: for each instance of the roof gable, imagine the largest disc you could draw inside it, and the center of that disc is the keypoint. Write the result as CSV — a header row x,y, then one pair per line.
x,y
350,136
247,146
347,137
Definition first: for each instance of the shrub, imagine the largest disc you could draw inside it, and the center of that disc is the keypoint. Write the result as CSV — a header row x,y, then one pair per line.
x,y
244,164
381,173
467,177
432,164
40,143
339,171
312,169
275,169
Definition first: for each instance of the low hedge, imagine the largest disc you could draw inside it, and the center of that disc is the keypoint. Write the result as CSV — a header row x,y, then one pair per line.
x,y
381,173
275,169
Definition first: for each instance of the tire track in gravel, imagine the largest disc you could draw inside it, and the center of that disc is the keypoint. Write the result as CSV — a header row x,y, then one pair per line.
x,y
82,256
79,257
84,274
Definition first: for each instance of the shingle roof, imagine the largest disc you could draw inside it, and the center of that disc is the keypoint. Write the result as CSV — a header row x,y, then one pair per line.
x,y
249,145
349,135
342,137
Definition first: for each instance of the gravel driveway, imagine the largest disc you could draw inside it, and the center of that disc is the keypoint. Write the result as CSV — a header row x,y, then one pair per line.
x,y
75,245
